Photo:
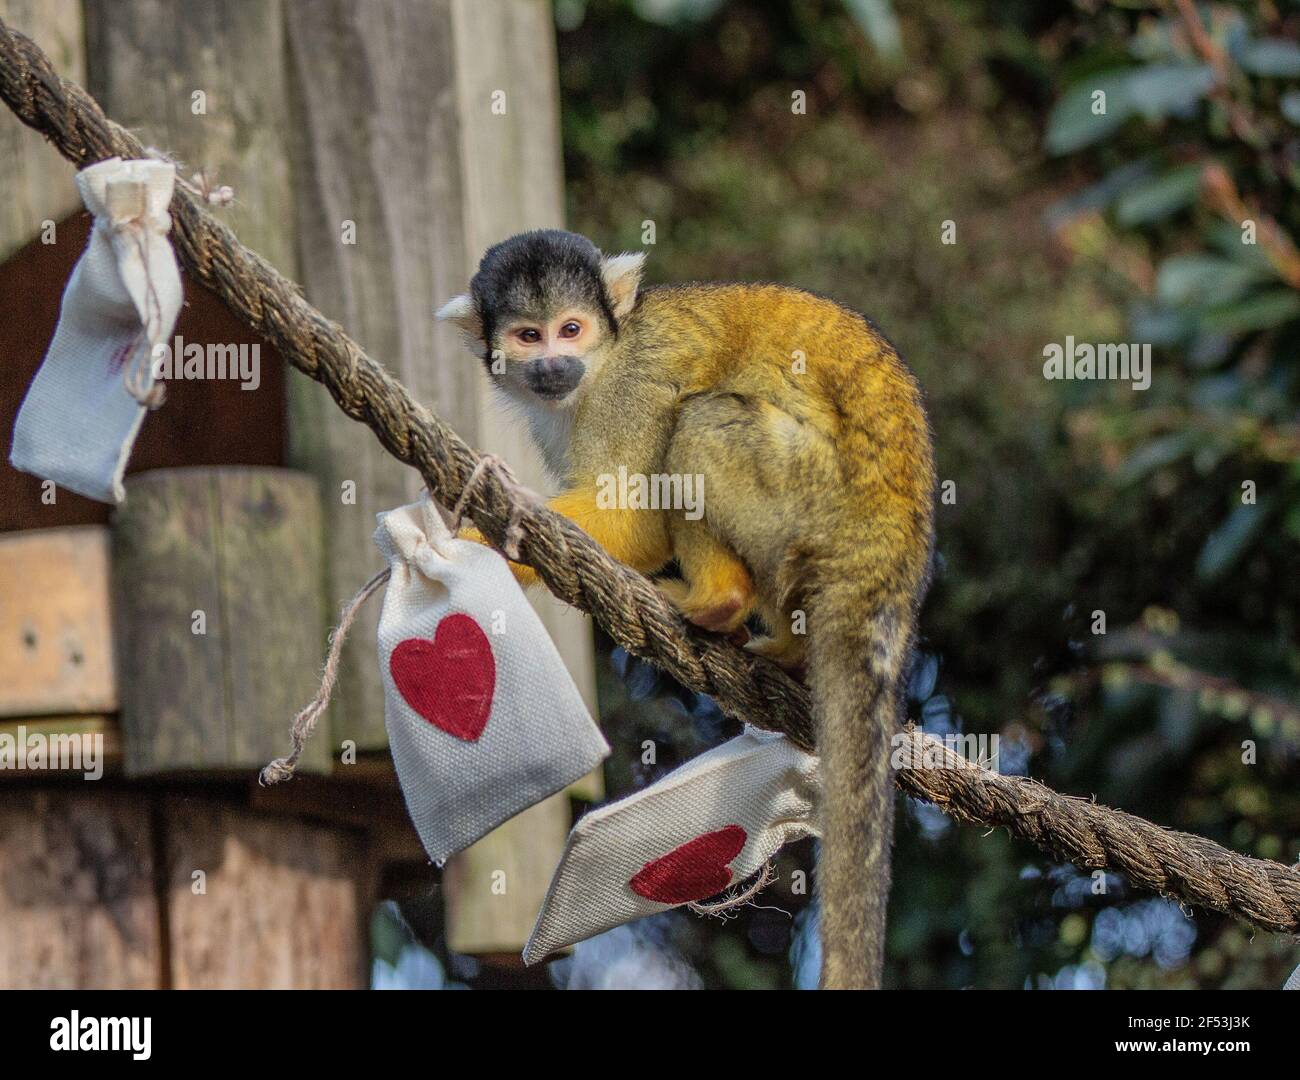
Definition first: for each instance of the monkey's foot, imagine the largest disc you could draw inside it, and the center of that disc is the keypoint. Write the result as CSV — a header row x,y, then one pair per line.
x,y
722,611
525,575
787,651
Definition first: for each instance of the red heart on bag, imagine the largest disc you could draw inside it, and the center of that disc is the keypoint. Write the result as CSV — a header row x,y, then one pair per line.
x,y
696,869
450,680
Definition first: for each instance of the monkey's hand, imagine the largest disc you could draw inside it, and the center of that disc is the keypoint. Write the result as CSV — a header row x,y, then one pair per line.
x,y
785,650
525,575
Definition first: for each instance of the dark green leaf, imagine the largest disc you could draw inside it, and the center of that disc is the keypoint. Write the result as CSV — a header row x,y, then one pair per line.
x,y
1207,351
1290,106
1160,90
1203,280
1226,545
1274,57
1073,125
1100,195
1260,312
1160,325
1226,238
1155,455
1159,197
880,24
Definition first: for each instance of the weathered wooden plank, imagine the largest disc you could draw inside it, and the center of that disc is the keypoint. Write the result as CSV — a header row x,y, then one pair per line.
x,y
364,798
36,182
263,902
78,907
380,237
167,622
271,565
514,181
495,889
217,607
425,181
508,109
56,647
204,80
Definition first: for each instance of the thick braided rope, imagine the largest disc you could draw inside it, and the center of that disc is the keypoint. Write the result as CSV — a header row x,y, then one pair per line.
x,y
628,607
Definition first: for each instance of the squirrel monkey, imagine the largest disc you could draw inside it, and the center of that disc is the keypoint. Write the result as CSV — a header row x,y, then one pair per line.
x,y
818,496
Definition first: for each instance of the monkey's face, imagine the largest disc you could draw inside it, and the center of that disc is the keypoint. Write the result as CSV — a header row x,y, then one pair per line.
x,y
543,311
549,357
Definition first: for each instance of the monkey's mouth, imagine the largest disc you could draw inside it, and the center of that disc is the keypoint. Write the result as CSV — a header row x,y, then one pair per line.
x,y
554,377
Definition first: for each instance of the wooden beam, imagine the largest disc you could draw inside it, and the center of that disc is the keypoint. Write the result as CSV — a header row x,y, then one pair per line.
x,y
217,611
412,174
379,230
513,180
56,645
368,801
78,906
257,901
507,105
204,80
38,185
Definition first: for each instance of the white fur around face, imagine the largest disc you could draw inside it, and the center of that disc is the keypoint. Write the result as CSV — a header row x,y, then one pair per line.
x,y
552,429
549,423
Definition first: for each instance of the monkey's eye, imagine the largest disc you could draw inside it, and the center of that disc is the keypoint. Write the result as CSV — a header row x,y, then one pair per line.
x,y
570,329
529,335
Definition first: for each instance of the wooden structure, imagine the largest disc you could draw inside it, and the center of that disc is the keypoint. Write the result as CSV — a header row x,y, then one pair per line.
x,y
375,149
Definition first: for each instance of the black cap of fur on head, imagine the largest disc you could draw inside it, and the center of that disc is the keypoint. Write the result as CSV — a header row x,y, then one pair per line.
x,y
535,274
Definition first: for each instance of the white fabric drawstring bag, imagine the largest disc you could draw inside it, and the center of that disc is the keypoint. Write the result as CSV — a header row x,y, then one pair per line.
x,y
84,408
705,826
483,717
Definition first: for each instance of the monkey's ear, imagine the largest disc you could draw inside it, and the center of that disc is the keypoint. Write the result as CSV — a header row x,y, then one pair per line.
x,y
461,311
622,277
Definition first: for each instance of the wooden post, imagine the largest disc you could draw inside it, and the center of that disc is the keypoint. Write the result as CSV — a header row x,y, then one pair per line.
x,y
402,172
513,180
56,648
216,600
204,80
260,902
36,182
102,885
413,174
381,239
78,905
507,103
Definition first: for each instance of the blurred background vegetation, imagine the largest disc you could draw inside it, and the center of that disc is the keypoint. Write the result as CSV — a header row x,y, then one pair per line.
x,y
1175,510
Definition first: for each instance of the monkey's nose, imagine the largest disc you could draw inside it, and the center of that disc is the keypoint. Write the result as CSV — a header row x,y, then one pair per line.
x,y
554,377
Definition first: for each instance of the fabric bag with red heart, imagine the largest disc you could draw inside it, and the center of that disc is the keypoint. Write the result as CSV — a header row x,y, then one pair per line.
x,y
705,826
483,718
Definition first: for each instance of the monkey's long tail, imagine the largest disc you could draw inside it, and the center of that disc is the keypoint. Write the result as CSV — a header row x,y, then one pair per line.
x,y
859,641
